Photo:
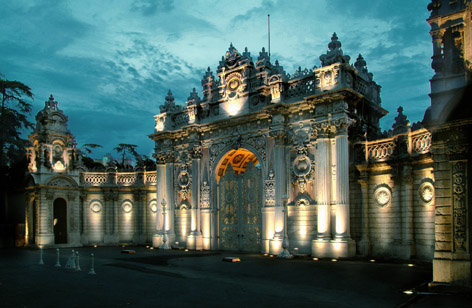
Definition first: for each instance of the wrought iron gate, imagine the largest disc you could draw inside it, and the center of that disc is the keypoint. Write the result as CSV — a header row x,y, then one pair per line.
x,y
240,210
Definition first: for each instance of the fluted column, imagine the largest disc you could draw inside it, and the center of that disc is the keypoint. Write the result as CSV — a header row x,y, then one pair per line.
x,y
194,240
342,182
322,184
281,183
160,194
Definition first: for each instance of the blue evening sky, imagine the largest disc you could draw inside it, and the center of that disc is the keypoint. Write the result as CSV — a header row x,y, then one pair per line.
x,y
109,64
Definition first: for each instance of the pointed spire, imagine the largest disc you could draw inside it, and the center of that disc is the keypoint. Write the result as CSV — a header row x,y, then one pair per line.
x,y
169,97
401,124
335,53
360,62
193,98
51,103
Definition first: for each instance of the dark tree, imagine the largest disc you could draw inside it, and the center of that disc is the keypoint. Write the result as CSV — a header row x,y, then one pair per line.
x,y
124,149
13,119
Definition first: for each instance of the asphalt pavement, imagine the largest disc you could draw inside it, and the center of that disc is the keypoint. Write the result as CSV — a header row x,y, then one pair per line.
x,y
141,277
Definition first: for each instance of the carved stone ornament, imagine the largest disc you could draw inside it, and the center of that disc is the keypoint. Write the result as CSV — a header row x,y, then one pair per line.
x,y
426,193
302,166
127,206
383,195
153,206
269,189
205,195
60,182
184,179
96,206
459,188
302,169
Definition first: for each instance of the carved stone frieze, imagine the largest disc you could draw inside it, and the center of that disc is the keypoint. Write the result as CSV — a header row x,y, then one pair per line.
x,y
459,189
183,181
196,151
269,189
205,195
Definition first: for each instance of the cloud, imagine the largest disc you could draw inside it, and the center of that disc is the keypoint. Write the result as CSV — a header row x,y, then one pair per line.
x,y
151,7
110,66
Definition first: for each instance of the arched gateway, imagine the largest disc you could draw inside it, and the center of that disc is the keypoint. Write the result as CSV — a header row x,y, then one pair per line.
x,y
225,162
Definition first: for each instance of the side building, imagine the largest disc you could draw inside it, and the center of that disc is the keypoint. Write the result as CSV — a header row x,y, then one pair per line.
x,y
68,206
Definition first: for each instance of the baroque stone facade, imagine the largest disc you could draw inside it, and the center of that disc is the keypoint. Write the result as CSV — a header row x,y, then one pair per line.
x,y
228,161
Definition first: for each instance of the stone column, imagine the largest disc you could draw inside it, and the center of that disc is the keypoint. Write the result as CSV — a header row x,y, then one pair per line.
x,y
170,199
281,183
194,239
45,234
322,182
342,182
321,245
160,194
74,218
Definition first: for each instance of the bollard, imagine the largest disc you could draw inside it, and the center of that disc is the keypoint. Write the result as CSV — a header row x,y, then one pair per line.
x,y
77,267
41,262
92,270
71,262
58,261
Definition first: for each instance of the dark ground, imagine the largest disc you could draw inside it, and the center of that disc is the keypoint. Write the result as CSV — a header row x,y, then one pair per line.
x,y
201,279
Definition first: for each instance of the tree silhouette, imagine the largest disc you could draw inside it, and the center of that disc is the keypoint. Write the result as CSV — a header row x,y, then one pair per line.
x,y
124,149
13,119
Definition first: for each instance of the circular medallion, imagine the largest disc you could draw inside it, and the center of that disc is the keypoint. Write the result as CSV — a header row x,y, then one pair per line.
x,y
153,206
96,206
302,165
426,192
183,179
127,207
383,196
233,84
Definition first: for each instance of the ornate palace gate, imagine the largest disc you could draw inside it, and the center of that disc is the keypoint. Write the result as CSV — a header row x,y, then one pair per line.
x,y
240,210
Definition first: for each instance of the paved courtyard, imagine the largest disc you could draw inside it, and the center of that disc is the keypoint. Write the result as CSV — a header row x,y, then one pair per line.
x,y
201,279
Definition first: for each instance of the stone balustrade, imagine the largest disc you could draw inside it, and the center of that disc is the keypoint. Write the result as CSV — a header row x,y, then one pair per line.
x,y
417,142
138,178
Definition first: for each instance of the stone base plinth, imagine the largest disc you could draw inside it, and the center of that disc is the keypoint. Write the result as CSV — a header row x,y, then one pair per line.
x,y
333,248
452,271
275,246
195,241
157,240
44,240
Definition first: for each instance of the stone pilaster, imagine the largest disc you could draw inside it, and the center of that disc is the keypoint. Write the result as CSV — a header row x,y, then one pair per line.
x,y
139,236
281,180
111,217
194,239
344,246
45,235
364,243
407,214
321,246
160,195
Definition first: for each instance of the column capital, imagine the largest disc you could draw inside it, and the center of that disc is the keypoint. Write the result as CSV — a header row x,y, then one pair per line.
x,y
279,134
321,130
342,125
164,157
196,151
